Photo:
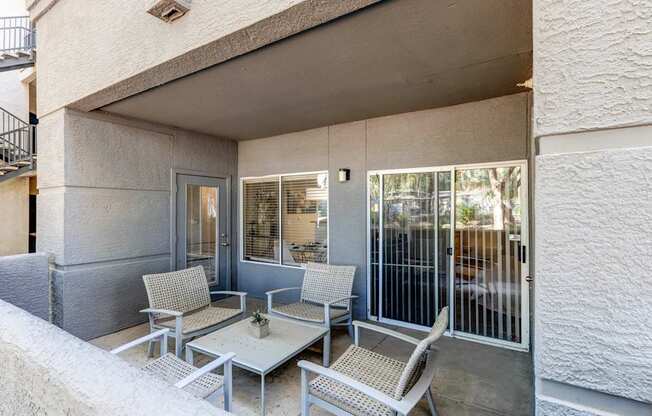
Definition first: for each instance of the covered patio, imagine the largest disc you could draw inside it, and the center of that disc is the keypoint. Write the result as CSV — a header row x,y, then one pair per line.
x,y
471,378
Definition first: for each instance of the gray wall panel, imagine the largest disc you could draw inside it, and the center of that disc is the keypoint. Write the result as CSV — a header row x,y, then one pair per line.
x,y
97,300
24,282
484,131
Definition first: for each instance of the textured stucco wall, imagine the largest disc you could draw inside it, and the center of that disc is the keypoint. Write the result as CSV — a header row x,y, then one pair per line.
x,y
117,48
592,209
24,282
14,95
591,64
14,216
483,131
46,371
594,256
104,210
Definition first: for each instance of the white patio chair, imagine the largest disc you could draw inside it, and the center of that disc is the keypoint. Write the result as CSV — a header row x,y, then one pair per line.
x,y
199,382
325,300
364,383
181,302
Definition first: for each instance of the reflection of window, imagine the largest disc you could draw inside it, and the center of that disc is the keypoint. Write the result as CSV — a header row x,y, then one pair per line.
x,y
303,233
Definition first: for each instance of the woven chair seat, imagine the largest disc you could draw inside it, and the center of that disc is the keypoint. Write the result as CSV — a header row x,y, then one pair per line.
x,y
171,369
200,319
307,311
370,368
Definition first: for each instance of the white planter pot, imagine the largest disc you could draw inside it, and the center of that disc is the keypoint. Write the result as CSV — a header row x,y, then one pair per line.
x,y
259,331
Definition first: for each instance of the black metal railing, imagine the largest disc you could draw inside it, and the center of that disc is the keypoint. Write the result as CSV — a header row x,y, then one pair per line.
x,y
16,143
17,35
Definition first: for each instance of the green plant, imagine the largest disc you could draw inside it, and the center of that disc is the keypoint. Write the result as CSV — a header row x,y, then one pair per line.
x,y
466,214
258,318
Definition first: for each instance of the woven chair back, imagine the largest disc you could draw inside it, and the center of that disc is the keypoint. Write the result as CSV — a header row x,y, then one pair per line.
x,y
323,283
181,291
417,362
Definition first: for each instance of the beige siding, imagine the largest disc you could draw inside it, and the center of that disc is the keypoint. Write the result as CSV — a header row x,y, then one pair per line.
x,y
14,206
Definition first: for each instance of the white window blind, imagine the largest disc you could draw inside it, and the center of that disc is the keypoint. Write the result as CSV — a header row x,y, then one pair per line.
x,y
260,220
304,216
300,235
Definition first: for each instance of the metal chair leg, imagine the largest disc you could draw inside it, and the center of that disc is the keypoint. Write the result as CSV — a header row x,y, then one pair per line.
x,y
178,345
150,349
305,407
431,402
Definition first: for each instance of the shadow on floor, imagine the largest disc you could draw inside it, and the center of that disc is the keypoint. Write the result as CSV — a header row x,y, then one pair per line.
x,y
471,378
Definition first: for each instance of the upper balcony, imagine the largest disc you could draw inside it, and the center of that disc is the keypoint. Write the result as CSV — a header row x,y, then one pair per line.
x,y
17,43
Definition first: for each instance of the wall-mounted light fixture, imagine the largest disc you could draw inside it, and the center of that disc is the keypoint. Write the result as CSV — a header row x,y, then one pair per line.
x,y
169,10
344,175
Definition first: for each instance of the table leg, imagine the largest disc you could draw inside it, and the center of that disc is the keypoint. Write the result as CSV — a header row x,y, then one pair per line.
x,y
190,359
262,394
327,349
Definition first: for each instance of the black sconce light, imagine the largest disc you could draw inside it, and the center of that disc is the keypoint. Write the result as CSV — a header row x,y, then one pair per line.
x,y
344,175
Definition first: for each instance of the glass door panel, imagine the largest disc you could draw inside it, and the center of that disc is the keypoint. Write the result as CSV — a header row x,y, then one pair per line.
x,y
374,243
201,228
405,281
487,260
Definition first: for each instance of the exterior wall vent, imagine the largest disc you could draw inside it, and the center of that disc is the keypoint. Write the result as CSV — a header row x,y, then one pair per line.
x,y
169,10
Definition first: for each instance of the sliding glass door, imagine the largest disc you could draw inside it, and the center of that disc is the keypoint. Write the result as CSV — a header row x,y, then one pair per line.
x,y
408,256
450,237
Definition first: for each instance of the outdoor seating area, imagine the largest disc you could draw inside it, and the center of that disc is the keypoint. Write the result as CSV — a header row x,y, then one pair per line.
x,y
370,375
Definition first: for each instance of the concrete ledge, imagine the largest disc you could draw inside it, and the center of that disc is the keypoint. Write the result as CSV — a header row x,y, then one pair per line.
x,y
45,370
24,282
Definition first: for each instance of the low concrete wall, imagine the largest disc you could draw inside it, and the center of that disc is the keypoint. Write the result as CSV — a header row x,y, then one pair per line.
x,y
45,370
24,282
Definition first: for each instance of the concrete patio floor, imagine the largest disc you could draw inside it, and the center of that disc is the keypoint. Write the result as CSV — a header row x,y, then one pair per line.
x,y
471,378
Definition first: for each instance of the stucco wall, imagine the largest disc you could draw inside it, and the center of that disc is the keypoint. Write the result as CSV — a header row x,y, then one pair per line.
x,y
594,254
24,282
484,131
111,42
591,64
593,203
14,220
45,370
14,96
104,210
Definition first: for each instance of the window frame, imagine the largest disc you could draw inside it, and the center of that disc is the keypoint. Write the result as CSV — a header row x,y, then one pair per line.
x,y
279,178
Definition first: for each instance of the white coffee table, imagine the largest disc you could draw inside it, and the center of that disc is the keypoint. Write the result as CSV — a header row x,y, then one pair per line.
x,y
286,339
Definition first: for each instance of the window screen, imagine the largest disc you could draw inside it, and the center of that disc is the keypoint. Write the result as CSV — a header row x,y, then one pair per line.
x,y
304,217
260,220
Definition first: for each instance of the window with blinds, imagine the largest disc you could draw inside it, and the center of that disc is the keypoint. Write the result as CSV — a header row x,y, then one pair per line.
x,y
260,220
304,216
300,235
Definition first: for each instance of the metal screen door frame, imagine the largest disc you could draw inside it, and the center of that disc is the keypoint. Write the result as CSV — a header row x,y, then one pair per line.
x,y
524,344
178,200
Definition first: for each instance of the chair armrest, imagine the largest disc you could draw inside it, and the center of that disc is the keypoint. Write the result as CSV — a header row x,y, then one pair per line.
x,y
243,297
162,311
228,292
352,297
272,292
205,369
386,331
160,333
400,407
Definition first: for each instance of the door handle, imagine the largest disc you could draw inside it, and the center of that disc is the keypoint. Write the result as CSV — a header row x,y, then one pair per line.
x,y
225,244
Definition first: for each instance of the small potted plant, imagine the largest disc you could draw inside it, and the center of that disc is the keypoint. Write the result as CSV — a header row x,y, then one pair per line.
x,y
259,325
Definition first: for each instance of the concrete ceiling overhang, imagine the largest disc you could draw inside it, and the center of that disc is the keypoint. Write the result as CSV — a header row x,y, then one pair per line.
x,y
393,57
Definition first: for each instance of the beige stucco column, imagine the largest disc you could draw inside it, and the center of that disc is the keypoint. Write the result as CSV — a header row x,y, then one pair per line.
x,y
593,286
